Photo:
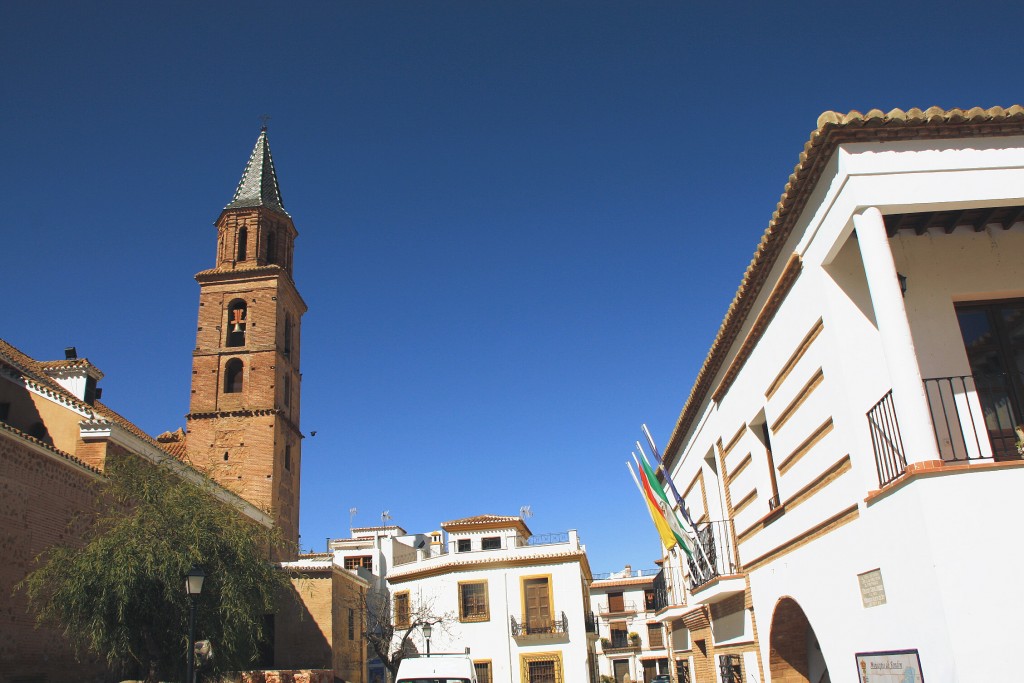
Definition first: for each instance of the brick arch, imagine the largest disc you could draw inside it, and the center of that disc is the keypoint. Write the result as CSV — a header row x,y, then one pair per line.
x,y
790,641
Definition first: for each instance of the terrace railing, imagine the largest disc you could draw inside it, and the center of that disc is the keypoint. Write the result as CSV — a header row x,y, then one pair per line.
x,y
714,556
890,458
534,626
973,417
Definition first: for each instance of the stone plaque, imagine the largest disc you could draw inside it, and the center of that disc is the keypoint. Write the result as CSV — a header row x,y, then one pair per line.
x,y
872,592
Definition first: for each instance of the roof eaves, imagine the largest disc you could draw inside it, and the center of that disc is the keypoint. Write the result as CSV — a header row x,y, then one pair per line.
x,y
833,129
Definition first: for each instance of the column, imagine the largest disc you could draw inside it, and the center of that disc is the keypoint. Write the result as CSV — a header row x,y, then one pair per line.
x,y
908,393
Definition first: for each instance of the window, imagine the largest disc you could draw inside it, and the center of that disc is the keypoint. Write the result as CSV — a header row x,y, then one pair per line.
x,y
542,667
619,634
287,335
236,324
655,637
463,545
243,244
402,614
993,337
483,671
287,388
537,600
490,543
359,562
473,601
271,247
233,376
616,603
351,624
683,670
649,599
288,457
731,668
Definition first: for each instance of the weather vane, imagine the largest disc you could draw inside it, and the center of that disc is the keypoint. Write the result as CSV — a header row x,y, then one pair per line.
x,y
264,118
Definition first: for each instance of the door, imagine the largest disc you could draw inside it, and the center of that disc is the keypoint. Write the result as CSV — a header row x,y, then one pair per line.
x,y
993,336
616,603
538,606
620,669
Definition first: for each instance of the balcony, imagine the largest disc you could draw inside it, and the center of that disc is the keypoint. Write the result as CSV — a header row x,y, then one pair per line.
x,y
973,418
539,628
619,643
625,607
714,574
590,622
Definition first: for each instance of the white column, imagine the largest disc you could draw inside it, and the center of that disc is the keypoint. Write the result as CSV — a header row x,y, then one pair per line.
x,y
908,393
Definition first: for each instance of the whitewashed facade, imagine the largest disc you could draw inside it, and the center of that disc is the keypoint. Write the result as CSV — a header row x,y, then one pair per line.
x,y
850,446
632,640
519,602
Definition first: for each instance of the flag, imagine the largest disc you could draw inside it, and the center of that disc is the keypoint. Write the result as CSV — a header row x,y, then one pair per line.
x,y
668,478
660,501
667,537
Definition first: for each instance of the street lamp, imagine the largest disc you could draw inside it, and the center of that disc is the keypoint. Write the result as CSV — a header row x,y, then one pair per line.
x,y
193,587
427,630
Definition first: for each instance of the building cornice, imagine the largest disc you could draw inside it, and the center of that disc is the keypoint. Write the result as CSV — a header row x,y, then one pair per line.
x,y
498,562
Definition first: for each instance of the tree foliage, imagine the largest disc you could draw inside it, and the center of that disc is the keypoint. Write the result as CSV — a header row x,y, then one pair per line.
x,y
393,642
121,594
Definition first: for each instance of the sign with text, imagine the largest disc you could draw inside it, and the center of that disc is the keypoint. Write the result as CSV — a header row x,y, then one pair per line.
x,y
896,666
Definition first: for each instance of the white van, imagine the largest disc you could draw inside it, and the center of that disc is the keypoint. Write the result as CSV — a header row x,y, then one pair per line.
x,y
440,668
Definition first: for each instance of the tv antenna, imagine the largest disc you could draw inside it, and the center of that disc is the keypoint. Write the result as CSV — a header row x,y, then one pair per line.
x,y
525,512
385,516
351,517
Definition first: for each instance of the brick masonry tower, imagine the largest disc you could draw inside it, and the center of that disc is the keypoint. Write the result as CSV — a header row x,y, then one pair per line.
x,y
243,421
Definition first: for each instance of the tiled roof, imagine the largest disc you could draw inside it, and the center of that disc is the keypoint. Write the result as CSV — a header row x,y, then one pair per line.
x,y
36,371
174,443
833,130
258,186
480,519
56,451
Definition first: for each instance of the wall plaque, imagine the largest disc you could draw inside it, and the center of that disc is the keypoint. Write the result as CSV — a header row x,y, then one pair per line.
x,y
895,666
872,591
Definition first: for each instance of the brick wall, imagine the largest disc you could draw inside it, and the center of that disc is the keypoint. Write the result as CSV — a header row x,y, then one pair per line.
x,y
40,499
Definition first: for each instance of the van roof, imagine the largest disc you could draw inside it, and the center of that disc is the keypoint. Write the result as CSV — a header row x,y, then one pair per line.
x,y
452,667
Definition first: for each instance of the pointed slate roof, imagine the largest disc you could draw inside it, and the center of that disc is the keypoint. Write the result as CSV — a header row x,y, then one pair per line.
x,y
258,186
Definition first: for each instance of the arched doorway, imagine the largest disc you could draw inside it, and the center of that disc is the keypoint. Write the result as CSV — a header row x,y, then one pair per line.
x,y
794,655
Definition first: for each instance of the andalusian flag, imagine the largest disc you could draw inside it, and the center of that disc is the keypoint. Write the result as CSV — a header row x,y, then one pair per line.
x,y
667,537
656,495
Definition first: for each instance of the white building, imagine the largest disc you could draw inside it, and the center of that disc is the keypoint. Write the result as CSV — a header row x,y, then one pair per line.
x,y
848,448
518,601
632,639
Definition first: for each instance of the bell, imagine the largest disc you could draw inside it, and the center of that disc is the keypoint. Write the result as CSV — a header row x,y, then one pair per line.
x,y
237,327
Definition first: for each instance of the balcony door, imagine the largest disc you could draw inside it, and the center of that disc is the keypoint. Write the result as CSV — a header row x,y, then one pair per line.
x,y
538,605
993,336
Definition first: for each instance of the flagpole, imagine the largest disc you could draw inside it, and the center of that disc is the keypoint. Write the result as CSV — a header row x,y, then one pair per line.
x,y
668,478
696,535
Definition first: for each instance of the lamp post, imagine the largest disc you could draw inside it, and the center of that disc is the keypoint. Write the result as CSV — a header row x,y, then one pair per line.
x,y
193,587
427,630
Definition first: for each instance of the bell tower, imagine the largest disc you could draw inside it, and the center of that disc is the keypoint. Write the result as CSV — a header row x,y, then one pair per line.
x,y
243,420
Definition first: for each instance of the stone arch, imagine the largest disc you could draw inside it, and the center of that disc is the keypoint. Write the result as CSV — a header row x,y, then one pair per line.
x,y
794,655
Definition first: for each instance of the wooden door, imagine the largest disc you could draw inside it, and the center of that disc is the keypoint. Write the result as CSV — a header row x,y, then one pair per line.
x,y
538,606
616,603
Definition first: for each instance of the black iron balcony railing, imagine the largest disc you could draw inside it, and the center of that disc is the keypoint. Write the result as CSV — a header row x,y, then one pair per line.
x,y
890,459
619,641
548,539
974,417
712,553
540,626
590,622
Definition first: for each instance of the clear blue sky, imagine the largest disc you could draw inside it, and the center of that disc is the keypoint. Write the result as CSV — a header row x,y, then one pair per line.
x,y
520,222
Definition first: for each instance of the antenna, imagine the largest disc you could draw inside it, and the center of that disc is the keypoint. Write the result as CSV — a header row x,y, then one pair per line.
x,y
351,516
385,516
525,512
264,118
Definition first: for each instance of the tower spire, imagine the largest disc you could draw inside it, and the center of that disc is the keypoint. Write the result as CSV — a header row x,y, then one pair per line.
x,y
258,186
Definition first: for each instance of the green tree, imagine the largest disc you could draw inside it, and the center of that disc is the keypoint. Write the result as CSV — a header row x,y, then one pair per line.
x,y
120,594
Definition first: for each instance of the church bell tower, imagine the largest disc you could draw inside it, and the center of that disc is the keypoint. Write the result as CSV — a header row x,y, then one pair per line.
x,y
243,421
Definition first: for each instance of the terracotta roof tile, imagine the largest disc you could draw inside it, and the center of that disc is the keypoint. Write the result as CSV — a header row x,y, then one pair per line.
x,y
833,129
